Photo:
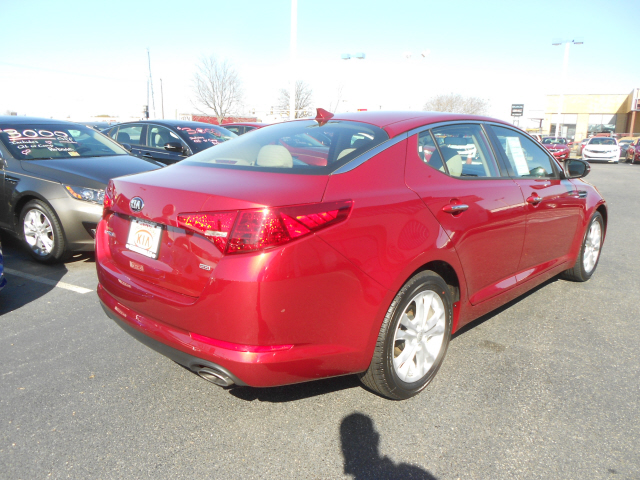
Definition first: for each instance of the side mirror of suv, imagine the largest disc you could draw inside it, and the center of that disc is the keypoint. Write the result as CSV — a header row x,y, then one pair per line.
x,y
174,147
576,168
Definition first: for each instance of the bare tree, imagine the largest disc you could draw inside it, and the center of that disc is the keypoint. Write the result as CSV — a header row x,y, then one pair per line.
x,y
456,103
303,98
217,88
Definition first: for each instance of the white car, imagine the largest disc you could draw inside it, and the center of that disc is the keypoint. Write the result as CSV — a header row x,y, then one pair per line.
x,y
602,148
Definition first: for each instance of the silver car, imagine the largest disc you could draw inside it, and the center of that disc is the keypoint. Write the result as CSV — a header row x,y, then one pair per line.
x,y
52,180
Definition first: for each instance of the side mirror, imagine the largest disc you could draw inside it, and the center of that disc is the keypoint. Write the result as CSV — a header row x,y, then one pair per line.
x,y
174,147
126,146
577,168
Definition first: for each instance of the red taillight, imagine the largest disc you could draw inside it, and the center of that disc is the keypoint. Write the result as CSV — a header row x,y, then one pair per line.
x,y
107,203
215,226
255,230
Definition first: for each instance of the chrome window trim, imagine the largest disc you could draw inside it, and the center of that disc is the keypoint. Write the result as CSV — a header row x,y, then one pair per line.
x,y
356,162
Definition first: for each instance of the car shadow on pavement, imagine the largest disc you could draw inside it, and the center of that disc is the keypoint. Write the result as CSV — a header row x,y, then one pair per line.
x,y
497,311
21,290
360,443
298,391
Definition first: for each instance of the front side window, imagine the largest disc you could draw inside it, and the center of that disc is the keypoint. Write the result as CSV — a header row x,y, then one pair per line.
x,y
526,158
158,137
295,147
465,151
56,141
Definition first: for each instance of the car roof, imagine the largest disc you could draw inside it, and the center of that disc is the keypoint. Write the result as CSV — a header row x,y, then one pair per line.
x,y
174,123
245,124
15,120
397,122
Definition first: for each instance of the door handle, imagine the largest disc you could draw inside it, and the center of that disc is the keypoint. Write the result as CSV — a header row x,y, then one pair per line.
x,y
453,209
147,155
534,199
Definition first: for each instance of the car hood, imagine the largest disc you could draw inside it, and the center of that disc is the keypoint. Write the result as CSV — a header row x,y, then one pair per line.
x,y
600,148
91,172
555,146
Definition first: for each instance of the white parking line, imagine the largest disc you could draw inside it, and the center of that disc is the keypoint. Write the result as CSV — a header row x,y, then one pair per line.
x,y
46,281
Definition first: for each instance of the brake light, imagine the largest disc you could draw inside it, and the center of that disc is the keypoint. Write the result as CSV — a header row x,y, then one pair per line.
x,y
215,226
109,195
256,230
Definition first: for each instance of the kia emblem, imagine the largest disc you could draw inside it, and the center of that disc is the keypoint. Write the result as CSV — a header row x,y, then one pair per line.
x,y
136,204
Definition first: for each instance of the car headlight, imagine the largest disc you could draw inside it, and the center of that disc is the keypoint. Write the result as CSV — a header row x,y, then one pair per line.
x,y
85,194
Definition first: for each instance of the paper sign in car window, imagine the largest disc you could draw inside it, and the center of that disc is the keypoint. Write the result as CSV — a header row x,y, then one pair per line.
x,y
515,151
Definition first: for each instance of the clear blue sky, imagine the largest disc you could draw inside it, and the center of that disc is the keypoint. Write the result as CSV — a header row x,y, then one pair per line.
x,y
76,58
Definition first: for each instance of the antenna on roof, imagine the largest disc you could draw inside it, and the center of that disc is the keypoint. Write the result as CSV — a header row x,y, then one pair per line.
x,y
322,116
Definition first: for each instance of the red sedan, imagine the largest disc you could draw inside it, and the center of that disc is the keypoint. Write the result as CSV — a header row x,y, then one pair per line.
x,y
250,265
558,146
633,152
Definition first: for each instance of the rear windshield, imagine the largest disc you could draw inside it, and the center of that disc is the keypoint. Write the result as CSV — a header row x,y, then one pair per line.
x,y
294,147
50,141
200,138
602,141
553,141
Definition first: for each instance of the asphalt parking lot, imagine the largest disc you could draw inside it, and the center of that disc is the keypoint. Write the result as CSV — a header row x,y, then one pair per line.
x,y
546,387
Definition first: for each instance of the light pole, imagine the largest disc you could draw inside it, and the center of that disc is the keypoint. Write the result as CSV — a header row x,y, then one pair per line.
x,y
292,51
357,56
567,44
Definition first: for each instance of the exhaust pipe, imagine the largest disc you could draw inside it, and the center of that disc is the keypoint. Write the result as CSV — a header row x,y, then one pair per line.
x,y
215,376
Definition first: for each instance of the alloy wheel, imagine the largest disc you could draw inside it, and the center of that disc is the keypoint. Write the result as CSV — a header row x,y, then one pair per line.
x,y
592,247
38,232
419,336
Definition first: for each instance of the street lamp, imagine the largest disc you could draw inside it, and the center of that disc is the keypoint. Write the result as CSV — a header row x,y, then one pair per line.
x,y
357,56
567,44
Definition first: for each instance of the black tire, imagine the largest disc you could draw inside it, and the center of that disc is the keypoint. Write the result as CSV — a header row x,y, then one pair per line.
x,y
578,273
381,376
43,211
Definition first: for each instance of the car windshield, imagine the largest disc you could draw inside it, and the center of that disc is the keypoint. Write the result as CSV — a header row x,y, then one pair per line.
x,y
625,142
302,146
201,137
55,141
602,141
554,141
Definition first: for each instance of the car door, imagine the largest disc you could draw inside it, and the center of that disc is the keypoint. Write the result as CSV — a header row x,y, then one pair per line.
x,y
156,138
478,205
554,206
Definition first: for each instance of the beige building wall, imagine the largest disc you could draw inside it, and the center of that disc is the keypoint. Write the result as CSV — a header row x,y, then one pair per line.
x,y
584,105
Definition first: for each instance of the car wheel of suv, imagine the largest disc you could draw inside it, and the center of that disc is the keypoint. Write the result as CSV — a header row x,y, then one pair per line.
x,y
589,252
41,232
413,339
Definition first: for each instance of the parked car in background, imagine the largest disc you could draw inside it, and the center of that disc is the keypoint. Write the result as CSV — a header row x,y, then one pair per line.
x,y
244,127
633,152
602,148
624,143
168,141
558,146
253,263
97,126
3,280
54,175
583,142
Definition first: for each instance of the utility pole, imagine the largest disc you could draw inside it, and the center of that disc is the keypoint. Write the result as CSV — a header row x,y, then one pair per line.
x,y
294,34
162,98
153,102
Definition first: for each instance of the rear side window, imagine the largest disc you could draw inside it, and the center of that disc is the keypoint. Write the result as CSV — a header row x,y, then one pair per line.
x,y
465,151
526,158
130,134
428,151
305,147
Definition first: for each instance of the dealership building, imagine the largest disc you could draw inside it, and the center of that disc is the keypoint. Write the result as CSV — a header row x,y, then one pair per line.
x,y
586,115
